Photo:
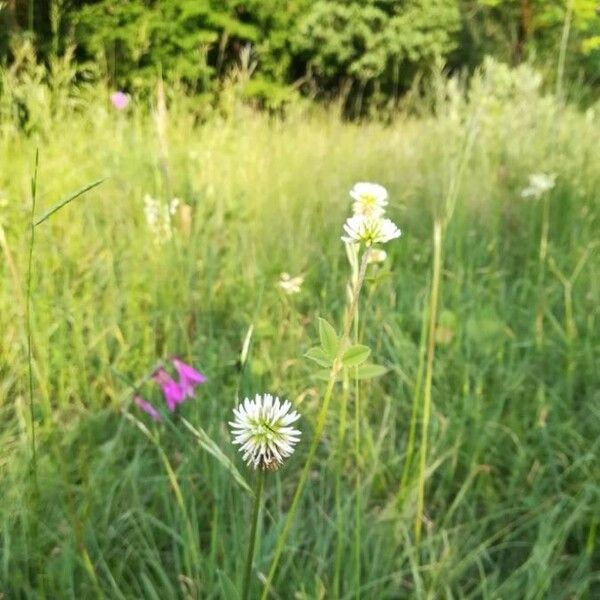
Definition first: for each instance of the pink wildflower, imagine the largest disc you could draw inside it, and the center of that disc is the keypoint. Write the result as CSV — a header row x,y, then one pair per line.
x,y
189,378
173,392
147,407
120,100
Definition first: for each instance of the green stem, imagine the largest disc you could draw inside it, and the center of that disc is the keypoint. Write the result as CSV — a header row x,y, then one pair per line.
x,y
321,418
410,446
33,469
435,290
543,252
338,488
358,503
562,53
28,323
260,479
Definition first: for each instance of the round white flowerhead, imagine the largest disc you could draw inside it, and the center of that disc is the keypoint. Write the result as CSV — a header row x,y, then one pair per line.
x,y
370,199
369,230
262,431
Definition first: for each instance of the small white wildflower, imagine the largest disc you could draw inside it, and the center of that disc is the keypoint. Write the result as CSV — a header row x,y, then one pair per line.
x,y
262,430
158,217
151,210
539,184
174,205
376,256
290,285
370,230
370,199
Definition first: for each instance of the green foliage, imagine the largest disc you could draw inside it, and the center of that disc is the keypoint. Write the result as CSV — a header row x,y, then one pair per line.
x,y
197,42
517,30
353,44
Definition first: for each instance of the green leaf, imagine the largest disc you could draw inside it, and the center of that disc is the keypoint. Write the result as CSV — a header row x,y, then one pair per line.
x,y
325,374
329,338
317,355
369,371
355,355
66,201
214,449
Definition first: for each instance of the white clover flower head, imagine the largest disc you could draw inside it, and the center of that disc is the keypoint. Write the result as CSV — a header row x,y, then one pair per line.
x,y
376,256
369,230
262,431
539,184
370,199
290,285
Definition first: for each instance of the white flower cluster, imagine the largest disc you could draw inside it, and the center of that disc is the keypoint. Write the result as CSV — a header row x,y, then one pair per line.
x,y
290,285
159,216
368,224
539,184
262,430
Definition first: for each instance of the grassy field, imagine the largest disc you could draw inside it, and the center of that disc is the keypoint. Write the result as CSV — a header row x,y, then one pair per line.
x,y
126,508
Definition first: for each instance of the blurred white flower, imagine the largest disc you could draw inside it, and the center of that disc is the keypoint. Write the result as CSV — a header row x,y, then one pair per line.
x,y
376,256
290,285
262,430
158,216
370,230
539,184
370,199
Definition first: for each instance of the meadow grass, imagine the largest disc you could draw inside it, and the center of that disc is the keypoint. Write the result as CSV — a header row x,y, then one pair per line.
x,y
128,509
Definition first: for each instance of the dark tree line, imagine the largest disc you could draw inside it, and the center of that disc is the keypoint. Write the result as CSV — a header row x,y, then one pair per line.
x,y
370,49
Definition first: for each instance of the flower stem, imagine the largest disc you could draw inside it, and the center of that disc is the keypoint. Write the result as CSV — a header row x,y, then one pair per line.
x,y
260,479
321,417
358,483
338,487
358,503
435,291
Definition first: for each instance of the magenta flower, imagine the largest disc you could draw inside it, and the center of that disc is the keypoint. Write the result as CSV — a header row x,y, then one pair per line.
x,y
189,378
120,100
147,407
173,392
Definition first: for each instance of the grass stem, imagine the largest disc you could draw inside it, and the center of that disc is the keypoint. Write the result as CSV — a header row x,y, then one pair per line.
x,y
435,291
